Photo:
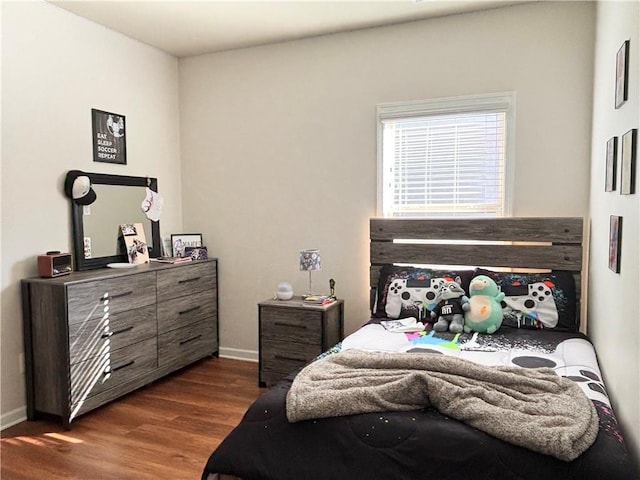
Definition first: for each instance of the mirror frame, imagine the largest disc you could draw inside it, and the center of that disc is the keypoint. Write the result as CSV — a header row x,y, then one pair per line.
x,y
82,263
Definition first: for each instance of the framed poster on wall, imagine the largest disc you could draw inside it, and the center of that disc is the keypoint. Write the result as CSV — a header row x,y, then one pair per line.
x,y
622,74
615,242
628,161
109,139
610,174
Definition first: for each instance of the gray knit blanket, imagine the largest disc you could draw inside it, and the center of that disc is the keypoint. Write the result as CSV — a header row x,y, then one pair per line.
x,y
532,408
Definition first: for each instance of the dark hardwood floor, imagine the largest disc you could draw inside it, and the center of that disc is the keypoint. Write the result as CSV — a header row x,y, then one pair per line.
x,y
166,430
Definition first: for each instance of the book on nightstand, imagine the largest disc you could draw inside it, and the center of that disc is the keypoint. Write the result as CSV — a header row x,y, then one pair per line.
x,y
318,300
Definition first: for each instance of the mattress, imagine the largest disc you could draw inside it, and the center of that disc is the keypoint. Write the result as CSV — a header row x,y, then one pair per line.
x,y
423,444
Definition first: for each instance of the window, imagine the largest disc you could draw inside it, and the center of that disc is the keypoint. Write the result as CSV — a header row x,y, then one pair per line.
x,y
446,158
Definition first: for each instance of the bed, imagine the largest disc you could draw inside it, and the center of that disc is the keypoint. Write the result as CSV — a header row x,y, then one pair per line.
x,y
465,430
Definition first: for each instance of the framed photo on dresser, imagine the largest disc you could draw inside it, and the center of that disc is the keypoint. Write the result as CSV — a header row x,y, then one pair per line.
x,y
180,242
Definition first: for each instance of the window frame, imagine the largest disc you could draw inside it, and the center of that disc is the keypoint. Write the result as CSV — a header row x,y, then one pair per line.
x,y
505,102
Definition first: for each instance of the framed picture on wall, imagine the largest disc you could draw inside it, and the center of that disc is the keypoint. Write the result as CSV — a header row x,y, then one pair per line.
x,y
109,139
610,175
622,74
628,162
615,239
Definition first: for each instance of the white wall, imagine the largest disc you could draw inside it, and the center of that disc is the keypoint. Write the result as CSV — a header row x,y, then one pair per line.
x,y
278,149
278,143
614,309
55,68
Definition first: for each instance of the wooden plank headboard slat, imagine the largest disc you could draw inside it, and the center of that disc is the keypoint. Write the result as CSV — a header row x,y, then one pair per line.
x,y
555,257
523,229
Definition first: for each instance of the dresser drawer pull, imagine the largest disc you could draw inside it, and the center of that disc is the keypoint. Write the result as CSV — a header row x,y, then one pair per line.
x,y
284,357
194,279
118,295
124,365
190,339
190,310
116,332
109,370
283,324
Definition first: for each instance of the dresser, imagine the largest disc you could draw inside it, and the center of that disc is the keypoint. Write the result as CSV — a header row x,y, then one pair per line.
x,y
93,336
291,334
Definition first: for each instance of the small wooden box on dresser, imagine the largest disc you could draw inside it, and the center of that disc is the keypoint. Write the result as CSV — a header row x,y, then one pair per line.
x,y
292,333
93,336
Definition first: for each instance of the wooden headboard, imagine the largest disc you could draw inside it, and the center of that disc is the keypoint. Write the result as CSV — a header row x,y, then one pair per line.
x,y
553,243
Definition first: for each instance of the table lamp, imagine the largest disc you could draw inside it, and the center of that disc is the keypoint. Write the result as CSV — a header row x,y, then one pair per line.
x,y
310,261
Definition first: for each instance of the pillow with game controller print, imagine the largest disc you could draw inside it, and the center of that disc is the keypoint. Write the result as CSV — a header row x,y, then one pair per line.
x,y
411,291
537,300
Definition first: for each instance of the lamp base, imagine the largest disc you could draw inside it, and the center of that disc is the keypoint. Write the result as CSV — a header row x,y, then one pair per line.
x,y
310,289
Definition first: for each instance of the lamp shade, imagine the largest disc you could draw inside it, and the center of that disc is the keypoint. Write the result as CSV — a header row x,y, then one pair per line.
x,y
310,260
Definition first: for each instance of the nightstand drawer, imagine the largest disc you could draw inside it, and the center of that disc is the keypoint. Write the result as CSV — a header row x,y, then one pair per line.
x,y
91,300
183,311
91,338
112,368
185,345
186,279
284,357
297,326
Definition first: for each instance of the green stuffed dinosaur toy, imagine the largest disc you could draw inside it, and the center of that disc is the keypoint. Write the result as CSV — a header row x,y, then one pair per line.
x,y
485,312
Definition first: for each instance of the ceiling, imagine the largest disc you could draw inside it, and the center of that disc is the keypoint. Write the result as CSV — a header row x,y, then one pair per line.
x,y
185,28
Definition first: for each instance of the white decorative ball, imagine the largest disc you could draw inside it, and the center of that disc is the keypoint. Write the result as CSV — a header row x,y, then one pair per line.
x,y
285,291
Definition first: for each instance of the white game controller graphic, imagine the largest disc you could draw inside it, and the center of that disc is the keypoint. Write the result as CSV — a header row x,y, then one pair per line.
x,y
402,294
538,304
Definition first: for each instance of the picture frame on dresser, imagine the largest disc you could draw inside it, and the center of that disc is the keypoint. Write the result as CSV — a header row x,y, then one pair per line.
x,y
180,241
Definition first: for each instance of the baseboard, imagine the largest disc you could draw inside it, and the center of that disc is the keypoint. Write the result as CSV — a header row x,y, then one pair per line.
x,y
238,354
13,417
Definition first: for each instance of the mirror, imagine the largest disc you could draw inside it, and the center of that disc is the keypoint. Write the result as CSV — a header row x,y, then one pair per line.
x,y
96,227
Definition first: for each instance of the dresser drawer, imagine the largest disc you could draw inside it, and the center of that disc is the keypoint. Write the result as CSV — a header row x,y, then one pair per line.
x,y
112,368
89,339
91,300
186,279
184,345
297,326
283,357
186,310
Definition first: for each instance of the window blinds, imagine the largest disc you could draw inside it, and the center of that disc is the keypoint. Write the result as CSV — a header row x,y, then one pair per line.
x,y
444,165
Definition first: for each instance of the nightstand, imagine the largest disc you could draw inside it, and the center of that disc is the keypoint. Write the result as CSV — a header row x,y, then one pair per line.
x,y
291,334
